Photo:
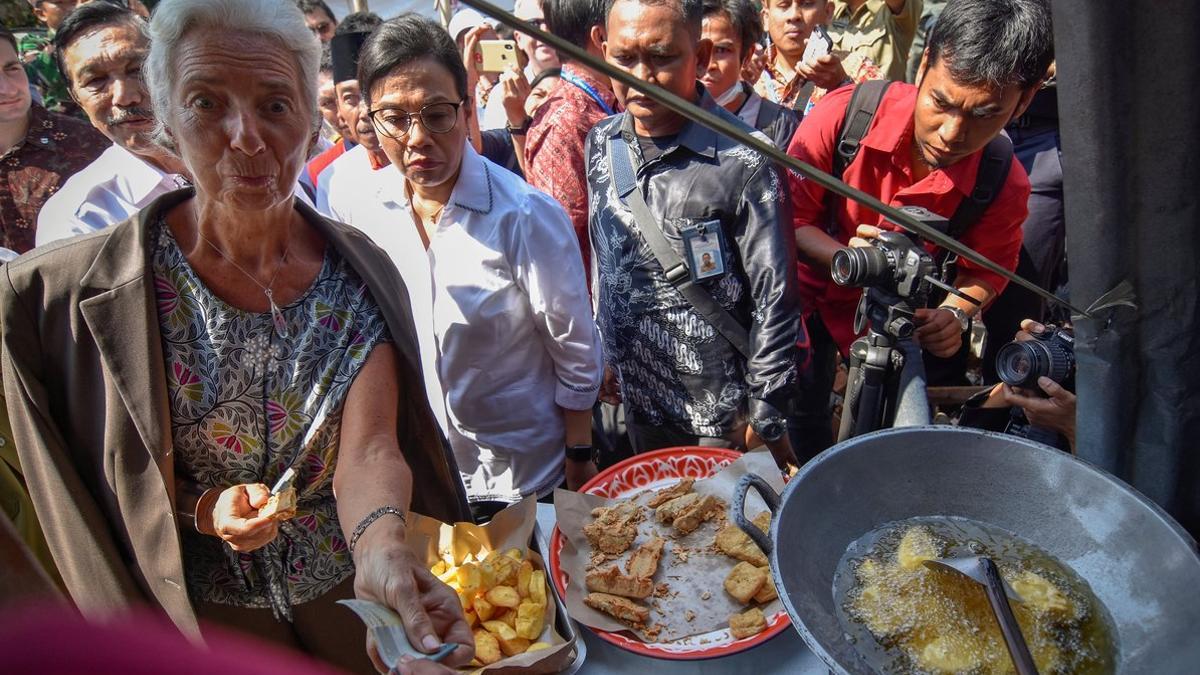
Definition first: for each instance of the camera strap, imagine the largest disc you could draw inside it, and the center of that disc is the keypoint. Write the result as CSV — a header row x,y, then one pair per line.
x,y
624,176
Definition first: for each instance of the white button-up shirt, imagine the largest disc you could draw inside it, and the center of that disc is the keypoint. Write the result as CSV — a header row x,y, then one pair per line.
x,y
116,186
505,325
107,191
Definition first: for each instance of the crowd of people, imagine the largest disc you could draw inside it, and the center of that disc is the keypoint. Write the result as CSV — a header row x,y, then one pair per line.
x,y
258,244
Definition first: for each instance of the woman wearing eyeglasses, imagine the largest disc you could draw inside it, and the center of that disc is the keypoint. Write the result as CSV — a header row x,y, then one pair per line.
x,y
492,266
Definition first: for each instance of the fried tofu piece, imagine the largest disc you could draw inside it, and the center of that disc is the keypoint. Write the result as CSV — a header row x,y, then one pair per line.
x,y
737,545
614,528
667,494
745,581
691,517
767,593
644,561
617,607
749,622
668,512
610,580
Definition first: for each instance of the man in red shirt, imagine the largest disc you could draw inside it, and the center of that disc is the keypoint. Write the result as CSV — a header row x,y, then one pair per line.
x,y
554,161
923,148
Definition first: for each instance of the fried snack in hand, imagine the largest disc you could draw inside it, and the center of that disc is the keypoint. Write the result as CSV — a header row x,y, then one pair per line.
x,y
610,580
738,545
703,509
749,622
280,506
618,608
614,528
745,581
644,561
667,494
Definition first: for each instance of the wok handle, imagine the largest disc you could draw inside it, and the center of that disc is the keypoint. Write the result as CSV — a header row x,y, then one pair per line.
x,y
1009,628
769,496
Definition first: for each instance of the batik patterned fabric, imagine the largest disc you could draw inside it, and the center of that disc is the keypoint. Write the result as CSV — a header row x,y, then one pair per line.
x,y
55,147
246,404
676,370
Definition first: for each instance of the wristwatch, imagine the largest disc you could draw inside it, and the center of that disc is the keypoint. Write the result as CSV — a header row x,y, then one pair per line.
x,y
769,429
581,453
518,131
963,319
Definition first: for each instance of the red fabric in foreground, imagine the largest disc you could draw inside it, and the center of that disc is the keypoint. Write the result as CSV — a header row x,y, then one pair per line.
x,y
56,641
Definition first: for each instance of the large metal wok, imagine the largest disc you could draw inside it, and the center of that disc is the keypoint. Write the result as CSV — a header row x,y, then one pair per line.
x,y
1141,565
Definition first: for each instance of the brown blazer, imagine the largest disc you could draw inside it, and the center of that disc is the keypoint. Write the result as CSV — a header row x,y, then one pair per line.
x,y
87,396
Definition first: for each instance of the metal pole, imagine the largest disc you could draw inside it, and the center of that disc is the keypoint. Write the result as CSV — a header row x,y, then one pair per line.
x,y
707,119
359,5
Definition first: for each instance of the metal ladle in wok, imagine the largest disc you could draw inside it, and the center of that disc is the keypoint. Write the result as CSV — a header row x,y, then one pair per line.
x,y
1141,566
984,572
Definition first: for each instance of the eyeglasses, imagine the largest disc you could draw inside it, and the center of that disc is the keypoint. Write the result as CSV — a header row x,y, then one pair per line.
x,y
540,24
437,118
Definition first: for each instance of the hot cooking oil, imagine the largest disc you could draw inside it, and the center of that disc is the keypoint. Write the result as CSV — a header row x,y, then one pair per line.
x,y
905,617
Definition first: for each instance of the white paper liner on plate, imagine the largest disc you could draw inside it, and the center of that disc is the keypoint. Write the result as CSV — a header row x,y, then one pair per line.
x,y
703,572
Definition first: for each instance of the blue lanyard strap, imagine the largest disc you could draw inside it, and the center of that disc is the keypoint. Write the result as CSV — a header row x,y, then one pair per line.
x,y
589,90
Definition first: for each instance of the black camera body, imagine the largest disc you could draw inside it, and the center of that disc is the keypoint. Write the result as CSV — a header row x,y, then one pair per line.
x,y
895,263
1050,353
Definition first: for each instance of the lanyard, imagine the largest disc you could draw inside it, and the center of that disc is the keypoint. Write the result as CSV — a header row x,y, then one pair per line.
x,y
587,89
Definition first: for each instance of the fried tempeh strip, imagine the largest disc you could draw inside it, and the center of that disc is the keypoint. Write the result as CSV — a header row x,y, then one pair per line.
x,y
618,607
644,561
667,494
691,517
668,512
614,528
610,580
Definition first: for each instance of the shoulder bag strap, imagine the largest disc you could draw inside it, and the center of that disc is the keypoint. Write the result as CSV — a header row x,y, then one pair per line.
x,y
620,164
860,112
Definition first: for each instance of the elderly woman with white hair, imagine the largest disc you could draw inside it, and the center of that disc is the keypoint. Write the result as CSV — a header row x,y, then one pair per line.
x,y
163,374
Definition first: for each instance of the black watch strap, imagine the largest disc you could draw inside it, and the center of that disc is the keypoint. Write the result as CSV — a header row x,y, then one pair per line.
x,y
519,130
580,453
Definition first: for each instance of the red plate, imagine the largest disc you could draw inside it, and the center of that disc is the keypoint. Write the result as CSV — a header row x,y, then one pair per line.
x,y
654,470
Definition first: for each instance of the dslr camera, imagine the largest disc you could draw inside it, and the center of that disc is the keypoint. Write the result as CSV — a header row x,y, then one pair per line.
x,y
896,263
1050,353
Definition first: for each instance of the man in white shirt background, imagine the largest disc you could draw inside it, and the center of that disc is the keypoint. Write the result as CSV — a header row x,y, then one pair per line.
x,y
341,183
100,48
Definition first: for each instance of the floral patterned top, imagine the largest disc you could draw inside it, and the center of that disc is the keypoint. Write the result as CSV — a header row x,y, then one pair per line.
x,y
246,404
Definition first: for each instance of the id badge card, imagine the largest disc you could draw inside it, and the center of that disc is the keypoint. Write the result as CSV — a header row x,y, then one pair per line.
x,y
705,250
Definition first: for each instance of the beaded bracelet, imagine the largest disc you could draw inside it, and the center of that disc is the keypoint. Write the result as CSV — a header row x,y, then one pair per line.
x,y
372,517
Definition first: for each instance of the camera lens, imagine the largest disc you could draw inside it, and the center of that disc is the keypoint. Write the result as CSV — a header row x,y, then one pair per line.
x,y
858,267
1020,364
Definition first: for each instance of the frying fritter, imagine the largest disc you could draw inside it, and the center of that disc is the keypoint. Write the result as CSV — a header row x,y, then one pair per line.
x,y
745,581
703,509
610,580
736,544
750,622
618,607
668,512
614,528
667,494
644,561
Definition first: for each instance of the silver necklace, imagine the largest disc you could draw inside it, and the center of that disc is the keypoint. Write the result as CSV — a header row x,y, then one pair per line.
x,y
277,319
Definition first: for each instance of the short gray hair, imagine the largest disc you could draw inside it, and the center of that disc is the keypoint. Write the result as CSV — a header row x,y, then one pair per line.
x,y
278,19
